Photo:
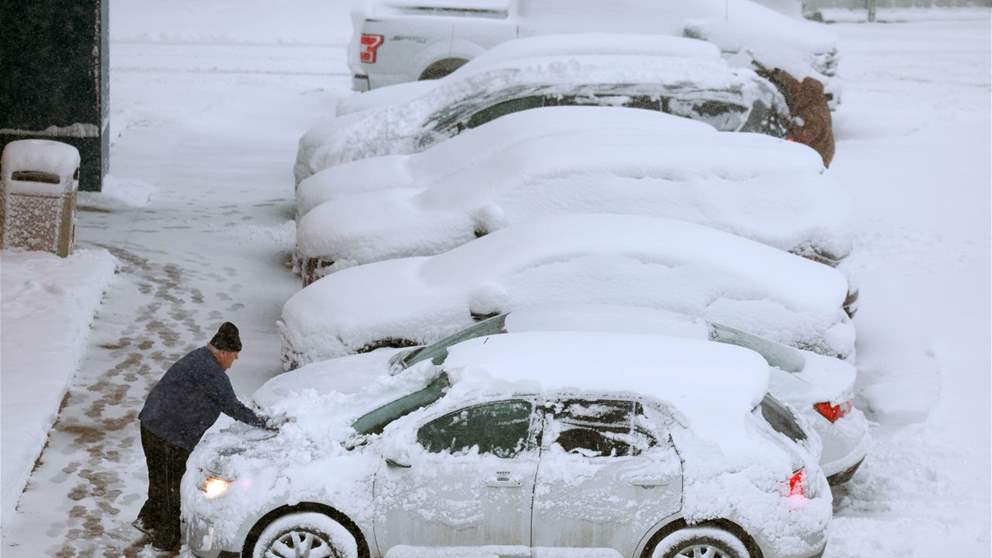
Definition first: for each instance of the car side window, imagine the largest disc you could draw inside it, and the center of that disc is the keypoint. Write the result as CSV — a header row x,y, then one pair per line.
x,y
493,112
499,428
599,428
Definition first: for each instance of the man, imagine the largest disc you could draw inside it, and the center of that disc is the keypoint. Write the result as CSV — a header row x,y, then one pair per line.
x,y
811,121
180,408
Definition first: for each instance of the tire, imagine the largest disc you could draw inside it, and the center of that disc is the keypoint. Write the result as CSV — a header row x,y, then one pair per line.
x,y
700,542
442,68
305,535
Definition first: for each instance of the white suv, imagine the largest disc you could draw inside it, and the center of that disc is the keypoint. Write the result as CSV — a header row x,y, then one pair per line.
x,y
397,41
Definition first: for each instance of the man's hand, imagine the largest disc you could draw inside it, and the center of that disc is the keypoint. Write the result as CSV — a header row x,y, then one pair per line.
x,y
274,422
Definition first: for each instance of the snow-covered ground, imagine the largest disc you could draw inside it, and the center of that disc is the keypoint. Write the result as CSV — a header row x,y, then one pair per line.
x,y
208,100
48,305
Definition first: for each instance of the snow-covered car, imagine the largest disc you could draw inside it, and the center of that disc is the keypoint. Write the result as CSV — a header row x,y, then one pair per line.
x,y
821,388
572,259
679,76
752,185
589,443
397,41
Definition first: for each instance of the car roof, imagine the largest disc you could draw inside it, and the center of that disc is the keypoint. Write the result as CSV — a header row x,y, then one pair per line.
x,y
712,385
595,43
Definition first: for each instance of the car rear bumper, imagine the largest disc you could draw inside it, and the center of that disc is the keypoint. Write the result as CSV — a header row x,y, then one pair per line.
x,y
845,446
360,82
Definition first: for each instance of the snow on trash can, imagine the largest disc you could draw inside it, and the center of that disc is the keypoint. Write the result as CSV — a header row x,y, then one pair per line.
x,y
38,183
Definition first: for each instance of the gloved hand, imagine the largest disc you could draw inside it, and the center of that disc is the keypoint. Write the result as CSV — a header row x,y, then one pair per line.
x,y
274,422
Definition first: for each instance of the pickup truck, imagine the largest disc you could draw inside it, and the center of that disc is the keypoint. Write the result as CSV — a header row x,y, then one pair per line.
x,y
397,41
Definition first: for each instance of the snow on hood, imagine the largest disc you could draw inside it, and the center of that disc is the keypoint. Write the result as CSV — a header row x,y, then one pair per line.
x,y
751,185
471,146
567,259
350,374
408,127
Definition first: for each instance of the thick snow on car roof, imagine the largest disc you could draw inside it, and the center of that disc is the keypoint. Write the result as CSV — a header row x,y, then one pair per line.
x,y
593,44
584,44
574,258
392,129
713,385
752,185
471,145
733,25
821,378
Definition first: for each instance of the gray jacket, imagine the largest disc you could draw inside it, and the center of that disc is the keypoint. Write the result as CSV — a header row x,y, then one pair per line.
x,y
188,399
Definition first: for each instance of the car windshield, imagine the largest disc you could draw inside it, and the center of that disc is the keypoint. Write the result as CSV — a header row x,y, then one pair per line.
x,y
438,351
781,419
375,421
777,355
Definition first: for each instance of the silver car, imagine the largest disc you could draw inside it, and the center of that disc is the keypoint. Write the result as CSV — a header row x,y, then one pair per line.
x,y
523,445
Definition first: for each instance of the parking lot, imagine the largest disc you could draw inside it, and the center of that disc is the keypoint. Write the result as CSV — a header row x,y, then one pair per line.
x,y
214,128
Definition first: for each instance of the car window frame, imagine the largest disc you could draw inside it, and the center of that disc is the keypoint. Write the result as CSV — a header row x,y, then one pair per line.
x,y
641,407
534,426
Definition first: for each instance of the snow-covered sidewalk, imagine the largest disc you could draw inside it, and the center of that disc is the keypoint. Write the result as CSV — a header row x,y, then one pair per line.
x,y
48,304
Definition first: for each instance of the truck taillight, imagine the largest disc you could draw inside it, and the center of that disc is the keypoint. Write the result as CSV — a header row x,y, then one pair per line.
x,y
370,44
833,412
796,482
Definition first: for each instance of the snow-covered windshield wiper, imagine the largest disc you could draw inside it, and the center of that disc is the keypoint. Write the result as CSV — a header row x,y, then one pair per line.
x,y
375,421
437,352
777,355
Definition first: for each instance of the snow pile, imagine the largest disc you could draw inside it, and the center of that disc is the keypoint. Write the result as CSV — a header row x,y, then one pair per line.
x,y
565,260
117,194
47,306
751,185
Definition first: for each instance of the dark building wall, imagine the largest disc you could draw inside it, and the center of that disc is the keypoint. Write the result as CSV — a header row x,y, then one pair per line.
x,y
54,68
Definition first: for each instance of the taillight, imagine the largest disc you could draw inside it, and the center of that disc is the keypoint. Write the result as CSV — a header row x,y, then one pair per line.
x,y
796,482
370,44
833,412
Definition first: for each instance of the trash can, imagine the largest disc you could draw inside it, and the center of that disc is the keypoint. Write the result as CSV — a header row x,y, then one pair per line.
x,y
38,183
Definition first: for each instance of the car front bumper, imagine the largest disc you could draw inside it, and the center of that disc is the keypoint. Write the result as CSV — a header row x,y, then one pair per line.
x,y
199,536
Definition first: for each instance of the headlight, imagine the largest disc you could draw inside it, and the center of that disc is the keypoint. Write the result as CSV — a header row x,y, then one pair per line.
x,y
214,487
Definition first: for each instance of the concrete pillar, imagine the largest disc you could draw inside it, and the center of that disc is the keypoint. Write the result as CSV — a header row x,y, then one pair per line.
x,y
54,83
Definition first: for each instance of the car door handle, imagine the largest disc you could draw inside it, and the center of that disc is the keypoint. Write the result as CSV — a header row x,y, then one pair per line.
x,y
503,480
648,482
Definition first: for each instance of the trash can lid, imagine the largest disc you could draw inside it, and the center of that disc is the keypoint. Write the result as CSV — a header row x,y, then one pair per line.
x,y
39,157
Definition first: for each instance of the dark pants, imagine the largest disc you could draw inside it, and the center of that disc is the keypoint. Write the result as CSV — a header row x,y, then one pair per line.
x,y
166,464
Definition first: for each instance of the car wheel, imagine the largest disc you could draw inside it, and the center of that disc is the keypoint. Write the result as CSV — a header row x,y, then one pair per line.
x,y
700,542
305,535
442,68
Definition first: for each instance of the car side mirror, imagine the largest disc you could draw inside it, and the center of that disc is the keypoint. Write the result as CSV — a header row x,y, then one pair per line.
x,y
397,458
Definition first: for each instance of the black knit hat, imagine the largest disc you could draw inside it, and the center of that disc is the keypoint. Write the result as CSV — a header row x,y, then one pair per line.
x,y
227,338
